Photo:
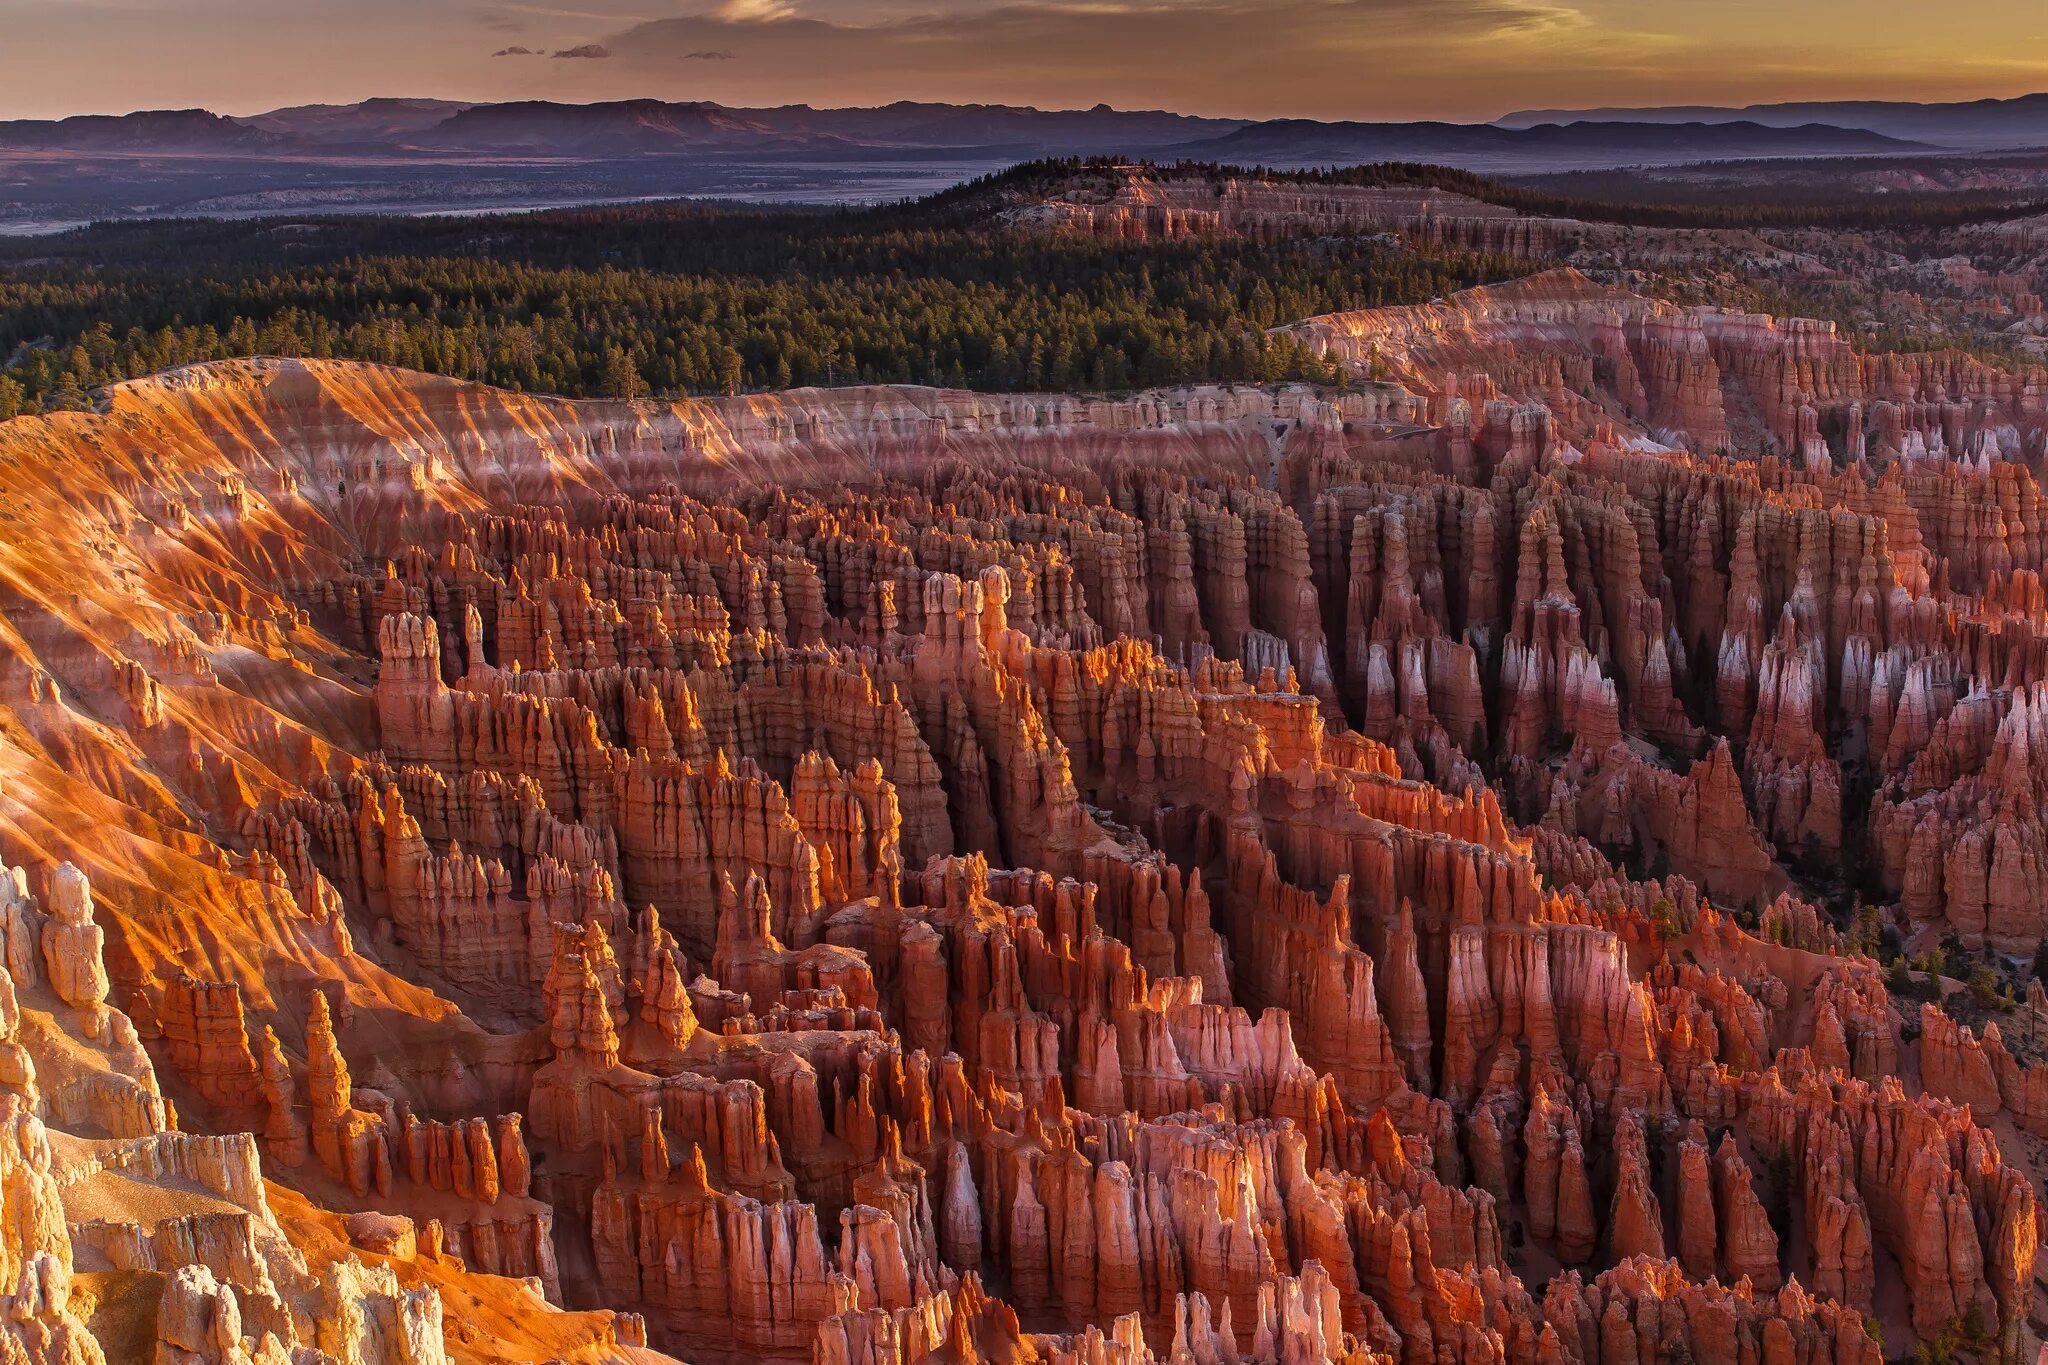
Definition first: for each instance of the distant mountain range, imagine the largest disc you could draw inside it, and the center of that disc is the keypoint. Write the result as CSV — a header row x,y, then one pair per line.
x,y
1975,125
616,128
433,156
152,131
372,121
638,128
1301,142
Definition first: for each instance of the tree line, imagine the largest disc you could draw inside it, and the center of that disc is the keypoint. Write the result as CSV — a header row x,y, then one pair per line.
x,y
673,300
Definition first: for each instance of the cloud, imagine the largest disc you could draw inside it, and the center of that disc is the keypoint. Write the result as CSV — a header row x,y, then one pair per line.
x,y
595,52
719,56
1332,58
1182,25
516,52
752,11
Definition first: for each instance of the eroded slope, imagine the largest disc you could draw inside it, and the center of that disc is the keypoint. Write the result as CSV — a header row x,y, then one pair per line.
x,y
882,874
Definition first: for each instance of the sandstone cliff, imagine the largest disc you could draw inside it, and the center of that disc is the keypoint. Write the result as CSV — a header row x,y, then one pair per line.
x,y
893,875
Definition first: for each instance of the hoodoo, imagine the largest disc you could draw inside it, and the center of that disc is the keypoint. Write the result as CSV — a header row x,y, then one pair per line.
x,y
883,875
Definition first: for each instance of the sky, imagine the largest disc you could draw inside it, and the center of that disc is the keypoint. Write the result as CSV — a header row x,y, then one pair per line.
x,y
1365,59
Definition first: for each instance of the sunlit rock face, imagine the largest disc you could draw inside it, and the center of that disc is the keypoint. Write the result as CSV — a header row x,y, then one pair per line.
x,y
882,875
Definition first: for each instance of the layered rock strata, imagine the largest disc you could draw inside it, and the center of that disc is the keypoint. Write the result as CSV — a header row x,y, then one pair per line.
x,y
892,875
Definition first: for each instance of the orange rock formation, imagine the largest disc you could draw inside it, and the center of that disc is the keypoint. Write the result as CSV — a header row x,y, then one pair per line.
x,y
878,876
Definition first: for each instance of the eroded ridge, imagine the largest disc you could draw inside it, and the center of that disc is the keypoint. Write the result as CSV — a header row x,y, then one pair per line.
x,y
888,875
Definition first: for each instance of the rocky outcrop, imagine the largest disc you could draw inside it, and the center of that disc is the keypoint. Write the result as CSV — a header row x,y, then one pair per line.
x,y
1747,1241
899,875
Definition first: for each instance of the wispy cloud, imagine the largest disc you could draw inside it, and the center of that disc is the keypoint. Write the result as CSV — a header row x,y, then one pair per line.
x,y
753,11
588,52
608,14
1327,57
517,52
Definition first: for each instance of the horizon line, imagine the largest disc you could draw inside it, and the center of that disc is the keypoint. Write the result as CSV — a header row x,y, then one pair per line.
x,y
1100,105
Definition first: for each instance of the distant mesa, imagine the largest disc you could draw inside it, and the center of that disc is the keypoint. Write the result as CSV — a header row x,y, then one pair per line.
x,y
1982,125
1292,142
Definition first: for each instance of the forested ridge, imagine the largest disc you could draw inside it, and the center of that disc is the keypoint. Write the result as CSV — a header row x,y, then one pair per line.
x,y
1825,201
1648,204
678,299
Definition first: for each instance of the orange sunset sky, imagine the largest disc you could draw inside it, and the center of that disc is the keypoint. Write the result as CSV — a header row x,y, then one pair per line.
x,y
1370,59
